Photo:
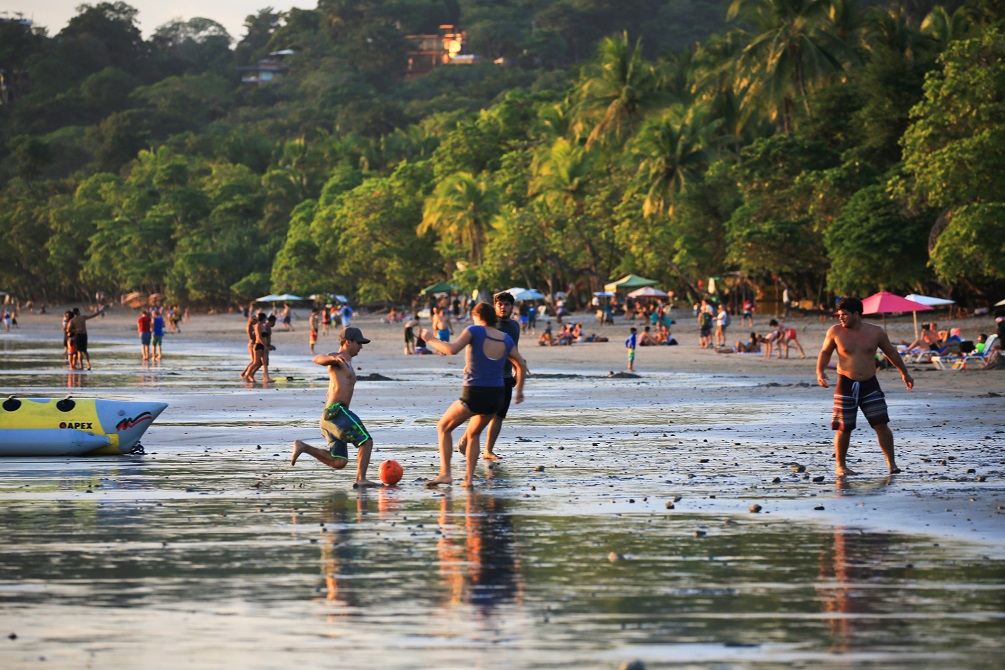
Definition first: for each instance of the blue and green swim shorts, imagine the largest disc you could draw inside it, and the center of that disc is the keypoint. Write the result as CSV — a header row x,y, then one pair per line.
x,y
341,428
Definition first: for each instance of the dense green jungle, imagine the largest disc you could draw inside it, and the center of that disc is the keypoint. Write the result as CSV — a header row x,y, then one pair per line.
x,y
828,146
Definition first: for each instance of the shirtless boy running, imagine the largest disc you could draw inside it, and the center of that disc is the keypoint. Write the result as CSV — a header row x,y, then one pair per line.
x,y
340,426
856,343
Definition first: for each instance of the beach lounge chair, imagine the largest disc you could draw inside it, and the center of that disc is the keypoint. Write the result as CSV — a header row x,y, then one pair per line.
x,y
951,351
973,361
985,359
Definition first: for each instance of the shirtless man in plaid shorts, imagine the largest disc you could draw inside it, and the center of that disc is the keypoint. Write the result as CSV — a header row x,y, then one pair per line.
x,y
340,426
856,343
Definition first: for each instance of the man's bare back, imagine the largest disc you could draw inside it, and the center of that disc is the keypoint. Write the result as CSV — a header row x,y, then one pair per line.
x,y
78,324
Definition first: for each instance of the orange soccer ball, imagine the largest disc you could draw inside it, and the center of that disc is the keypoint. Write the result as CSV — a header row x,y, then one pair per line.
x,y
390,472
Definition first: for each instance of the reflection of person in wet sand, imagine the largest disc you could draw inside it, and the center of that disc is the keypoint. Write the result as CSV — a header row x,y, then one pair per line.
x,y
339,425
484,572
853,561
336,551
856,342
488,349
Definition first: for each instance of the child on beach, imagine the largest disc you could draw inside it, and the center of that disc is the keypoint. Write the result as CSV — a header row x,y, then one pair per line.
x,y
630,345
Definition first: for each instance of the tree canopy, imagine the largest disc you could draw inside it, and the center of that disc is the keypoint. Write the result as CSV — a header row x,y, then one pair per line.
x,y
831,146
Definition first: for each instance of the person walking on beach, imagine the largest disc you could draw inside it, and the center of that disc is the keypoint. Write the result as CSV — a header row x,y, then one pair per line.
x,y
441,324
257,333
488,348
270,324
288,319
856,342
721,324
503,303
748,313
78,329
313,327
143,327
346,313
69,346
704,325
409,332
630,345
326,319
339,425
249,330
157,335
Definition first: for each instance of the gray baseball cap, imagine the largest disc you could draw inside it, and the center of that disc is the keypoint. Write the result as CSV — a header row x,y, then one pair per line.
x,y
352,334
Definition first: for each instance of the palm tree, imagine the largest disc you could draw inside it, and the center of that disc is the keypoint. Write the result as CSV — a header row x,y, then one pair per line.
x,y
845,19
713,71
792,53
891,28
555,120
616,90
460,210
560,179
943,27
671,153
560,176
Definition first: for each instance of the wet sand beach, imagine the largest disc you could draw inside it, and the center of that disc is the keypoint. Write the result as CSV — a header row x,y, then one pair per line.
x,y
615,527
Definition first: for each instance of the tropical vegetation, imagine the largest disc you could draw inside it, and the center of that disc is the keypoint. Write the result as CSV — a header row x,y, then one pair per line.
x,y
832,146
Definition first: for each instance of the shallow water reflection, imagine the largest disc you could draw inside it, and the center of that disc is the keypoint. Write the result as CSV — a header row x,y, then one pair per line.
x,y
421,579
211,550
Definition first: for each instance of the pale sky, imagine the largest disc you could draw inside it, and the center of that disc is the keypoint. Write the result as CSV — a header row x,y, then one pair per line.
x,y
54,14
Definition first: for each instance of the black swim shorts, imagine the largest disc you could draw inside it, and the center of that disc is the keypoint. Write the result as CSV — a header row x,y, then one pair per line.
x,y
510,383
483,399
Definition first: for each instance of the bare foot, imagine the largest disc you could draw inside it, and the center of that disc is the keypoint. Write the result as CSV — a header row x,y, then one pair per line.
x,y
442,479
895,470
298,448
468,484
462,445
364,483
844,471
267,380
489,456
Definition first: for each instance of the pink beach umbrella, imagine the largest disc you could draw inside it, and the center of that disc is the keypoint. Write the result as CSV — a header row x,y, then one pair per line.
x,y
887,303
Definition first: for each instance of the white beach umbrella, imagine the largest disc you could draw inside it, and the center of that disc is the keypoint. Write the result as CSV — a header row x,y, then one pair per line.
x,y
926,300
527,294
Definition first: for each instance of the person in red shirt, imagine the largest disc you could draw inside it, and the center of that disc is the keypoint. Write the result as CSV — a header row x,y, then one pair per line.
x,y
143,326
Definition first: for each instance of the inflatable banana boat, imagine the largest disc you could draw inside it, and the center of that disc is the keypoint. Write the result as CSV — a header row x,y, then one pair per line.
x,y
74,426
